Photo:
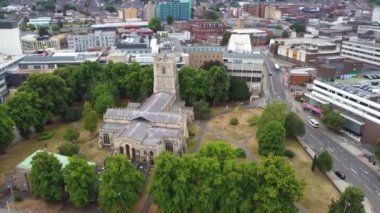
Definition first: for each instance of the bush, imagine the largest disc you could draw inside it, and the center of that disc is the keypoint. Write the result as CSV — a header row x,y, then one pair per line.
x,y
240,153
69,149
234,121
289,153
253,120
72,114
71,135
44,136
201,110
17,197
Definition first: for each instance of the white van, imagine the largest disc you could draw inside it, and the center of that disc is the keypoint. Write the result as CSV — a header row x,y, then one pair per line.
x,y
314,123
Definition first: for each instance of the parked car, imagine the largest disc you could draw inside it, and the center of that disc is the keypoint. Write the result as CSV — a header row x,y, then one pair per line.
x,y
314,123
340,175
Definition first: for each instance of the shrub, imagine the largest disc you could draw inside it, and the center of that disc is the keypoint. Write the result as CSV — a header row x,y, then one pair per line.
x,y
240,153
71,135
234,121
289,153
253,120
17,197
44,136
69,149
72,114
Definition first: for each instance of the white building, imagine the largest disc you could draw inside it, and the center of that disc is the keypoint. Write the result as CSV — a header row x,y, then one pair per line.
x,y
376,14
240,40
363,29
10,43
40,22
31,43
359,107
367,52
97,40
7,63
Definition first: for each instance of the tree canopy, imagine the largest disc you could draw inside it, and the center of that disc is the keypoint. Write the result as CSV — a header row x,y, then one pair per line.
x,y
120,184
71,134
170,20
351,201
80,179
275,111
46,177
324,161
294,125
333,120
89,118
154,24
239,89
6,129
214,180
271,139
218,84
298,27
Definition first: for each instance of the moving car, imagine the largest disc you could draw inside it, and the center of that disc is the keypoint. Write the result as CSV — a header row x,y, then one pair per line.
x,y
340,175
314,123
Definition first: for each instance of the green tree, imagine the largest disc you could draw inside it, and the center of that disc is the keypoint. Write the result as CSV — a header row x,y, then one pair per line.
x,y
212,15
218,84
68,149
24,109
193,85
71,134
324,161
201,109
377,149
275,111
154,24
285,34
103,102
294,126
110,9
89,118
120,184
6,129
56,28
170,20
298,27
209,64
46,177
50,88
80,179
42,31
332,120
278,188
351,201
239,89
220,150
271,139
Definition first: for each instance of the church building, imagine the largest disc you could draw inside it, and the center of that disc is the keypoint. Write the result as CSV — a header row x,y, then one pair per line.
x,y
143,131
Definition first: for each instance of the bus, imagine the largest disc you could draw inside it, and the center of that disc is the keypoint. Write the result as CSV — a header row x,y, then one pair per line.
x,y
276,67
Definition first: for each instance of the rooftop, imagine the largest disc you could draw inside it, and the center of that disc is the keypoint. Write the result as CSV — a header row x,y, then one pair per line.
x,y
196,48
302,71
246,31
61,57
133,42
26,164
310,41
246,55
157,102
154,117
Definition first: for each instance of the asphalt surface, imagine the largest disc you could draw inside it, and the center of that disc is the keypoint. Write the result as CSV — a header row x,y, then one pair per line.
x,y
357,173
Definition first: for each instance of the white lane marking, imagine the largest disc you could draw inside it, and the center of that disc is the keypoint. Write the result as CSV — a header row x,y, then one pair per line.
x,y
378,193
332,151
353,170
365,171
369,189
335,158
357,178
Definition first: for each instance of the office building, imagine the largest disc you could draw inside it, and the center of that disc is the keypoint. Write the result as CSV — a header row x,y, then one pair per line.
x,y
376,15
7,63
150,11
356,101
363,29
180,10
198,55
130,13
10,43
361,50
32,42
98,39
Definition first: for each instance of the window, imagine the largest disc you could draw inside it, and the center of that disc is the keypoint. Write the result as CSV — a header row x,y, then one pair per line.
x,y
106,139
163,70
37,67
169,147
51,66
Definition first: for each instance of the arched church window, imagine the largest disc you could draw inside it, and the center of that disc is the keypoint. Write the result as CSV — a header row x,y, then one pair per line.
x,y
163,70
106,139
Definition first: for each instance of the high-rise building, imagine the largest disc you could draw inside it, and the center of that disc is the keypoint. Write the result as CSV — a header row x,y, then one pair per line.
x,y
10,43
376,14
150,11
97,40
178,9
130,13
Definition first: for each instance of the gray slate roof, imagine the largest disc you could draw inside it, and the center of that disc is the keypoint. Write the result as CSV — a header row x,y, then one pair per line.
x,y
155,117
157,102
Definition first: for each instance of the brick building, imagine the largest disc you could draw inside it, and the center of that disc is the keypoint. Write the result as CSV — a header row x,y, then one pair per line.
x,y
202,29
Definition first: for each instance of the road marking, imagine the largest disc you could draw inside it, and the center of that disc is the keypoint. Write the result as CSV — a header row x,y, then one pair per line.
x,y
365,176
369,189
357,178
378,193
365,171
354,171
335,158
331,149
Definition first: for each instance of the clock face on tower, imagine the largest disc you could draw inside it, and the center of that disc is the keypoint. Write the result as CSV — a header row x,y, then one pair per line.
x,y
163,70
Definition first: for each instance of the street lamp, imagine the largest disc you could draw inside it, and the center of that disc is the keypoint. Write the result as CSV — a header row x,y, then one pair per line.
x,y
345,206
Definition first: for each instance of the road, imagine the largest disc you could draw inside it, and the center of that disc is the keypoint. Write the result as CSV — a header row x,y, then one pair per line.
x,y
357,173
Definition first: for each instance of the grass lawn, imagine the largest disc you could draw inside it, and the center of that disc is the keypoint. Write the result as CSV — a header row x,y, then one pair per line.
x,y
319,190
18,152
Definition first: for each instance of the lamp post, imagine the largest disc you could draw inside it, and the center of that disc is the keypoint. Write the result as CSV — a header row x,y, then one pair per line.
x,y
345,206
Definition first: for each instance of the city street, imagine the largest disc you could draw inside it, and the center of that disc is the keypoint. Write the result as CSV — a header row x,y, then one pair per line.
x,y
357,173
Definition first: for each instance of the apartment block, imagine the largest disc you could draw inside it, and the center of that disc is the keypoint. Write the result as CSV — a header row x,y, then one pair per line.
x,y
97,40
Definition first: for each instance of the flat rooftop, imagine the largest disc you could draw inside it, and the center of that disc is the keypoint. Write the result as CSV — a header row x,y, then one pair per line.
x,y
247,31
310,41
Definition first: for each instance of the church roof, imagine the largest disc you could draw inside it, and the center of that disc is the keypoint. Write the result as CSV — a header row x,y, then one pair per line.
x,y
155,117
157,102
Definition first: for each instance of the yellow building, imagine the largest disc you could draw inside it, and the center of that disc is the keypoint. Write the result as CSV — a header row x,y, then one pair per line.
x,y
130,13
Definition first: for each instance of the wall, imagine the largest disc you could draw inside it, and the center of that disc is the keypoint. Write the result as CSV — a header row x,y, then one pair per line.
x,y
371,133
197,59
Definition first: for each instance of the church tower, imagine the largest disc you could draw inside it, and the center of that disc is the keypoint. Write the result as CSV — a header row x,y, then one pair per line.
x,y
165,74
